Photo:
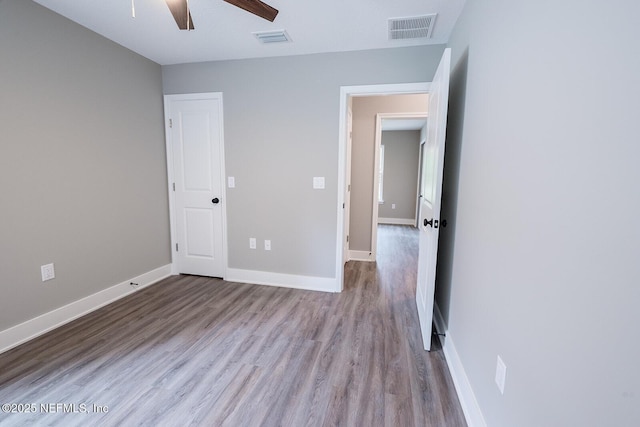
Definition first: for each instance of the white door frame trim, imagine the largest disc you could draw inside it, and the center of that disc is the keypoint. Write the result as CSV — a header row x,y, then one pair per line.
x,y
170,173
345,93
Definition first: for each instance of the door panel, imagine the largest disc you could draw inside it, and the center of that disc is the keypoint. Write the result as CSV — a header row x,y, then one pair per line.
x,y
432,171
199,234
196,150
198,170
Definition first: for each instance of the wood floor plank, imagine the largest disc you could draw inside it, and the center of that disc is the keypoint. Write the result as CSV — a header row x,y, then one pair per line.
x,y
206,352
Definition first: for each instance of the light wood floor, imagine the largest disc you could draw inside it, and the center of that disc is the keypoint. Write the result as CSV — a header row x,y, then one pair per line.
x,y
199,351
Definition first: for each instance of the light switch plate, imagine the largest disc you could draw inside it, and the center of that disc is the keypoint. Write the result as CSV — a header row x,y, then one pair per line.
x,y
48,272
252,242
231,182
318,182
267,245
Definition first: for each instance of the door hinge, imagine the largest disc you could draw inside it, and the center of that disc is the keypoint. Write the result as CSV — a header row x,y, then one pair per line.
x,y
347,238
343,206
170,123
349,187
176,247
174,186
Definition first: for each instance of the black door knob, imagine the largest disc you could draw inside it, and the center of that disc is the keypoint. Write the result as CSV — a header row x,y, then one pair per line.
x,y
215,201
430,222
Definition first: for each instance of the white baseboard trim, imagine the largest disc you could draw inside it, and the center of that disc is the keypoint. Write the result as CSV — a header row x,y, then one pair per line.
x,y
19,334
361,256
309,283
397,221
468,401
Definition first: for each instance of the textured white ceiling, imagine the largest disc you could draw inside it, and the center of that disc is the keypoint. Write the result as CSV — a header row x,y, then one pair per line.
x,y
225,32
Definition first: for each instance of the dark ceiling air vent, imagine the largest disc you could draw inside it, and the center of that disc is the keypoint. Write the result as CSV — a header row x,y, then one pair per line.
x,y
412,27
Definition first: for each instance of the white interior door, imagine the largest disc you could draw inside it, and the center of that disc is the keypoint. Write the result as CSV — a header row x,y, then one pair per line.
x,y
347,187
432,168
195,146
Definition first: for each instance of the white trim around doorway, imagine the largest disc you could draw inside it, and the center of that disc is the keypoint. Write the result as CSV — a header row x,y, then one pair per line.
x,y
170,173
345,93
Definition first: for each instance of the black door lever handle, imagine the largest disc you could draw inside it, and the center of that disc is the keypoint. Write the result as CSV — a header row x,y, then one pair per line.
x,y
215,201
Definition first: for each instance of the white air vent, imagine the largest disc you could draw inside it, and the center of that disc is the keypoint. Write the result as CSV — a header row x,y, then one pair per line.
x,y
412,27
278,36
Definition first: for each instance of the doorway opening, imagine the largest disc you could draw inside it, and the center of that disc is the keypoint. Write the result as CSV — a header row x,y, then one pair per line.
x,y
401,136
347,96
397,145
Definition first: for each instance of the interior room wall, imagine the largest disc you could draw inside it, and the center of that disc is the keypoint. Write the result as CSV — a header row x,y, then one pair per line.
x,y
544,272
365,109
82,162
281,120
401,155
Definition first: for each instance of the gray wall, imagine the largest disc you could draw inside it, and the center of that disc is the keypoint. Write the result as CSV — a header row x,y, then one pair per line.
x,y
281,118
543,134
365,109
401,153
82,162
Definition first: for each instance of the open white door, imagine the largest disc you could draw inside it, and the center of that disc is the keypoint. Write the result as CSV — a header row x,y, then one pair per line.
x,y
196,162
432,168
347,188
